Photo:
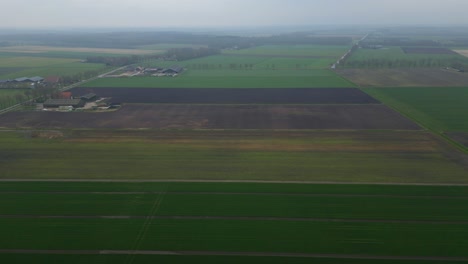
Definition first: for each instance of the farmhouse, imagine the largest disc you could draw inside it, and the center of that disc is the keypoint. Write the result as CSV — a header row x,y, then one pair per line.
x,y
56,103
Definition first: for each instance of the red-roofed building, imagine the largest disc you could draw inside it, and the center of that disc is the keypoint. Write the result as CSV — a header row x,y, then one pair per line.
x,y
65,95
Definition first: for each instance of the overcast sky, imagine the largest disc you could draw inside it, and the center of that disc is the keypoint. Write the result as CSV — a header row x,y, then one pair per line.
x,y
219,13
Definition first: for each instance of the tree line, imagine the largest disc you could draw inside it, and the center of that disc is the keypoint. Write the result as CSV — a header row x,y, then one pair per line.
x,y
176,54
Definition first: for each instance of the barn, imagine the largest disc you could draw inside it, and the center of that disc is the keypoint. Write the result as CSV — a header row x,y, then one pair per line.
x,y
173,70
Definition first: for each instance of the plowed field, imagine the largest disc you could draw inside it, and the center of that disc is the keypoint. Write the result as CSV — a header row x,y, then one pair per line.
x,y
171,116
232,96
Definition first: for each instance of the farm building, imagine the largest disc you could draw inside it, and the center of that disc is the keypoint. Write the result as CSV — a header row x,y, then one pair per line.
x,y
88,97
56,103
22,79
173,70
153,70
34,79
52,80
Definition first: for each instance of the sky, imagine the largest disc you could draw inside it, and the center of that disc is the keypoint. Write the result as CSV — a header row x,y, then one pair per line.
x,y
228,13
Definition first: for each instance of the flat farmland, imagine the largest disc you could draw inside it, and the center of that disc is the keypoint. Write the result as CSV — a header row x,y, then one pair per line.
x,y
171,116
274,79
227,78
16,67
314,156
232,222
231,96
405,77
262,67
443,109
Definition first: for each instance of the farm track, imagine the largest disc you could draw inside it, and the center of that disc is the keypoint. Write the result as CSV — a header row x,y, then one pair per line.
x,y
150,217
247,193
225,253
237,181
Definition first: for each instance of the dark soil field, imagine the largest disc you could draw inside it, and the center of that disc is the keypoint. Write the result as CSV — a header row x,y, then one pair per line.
x,y
231,96
404,77
460,137
169,116
427,50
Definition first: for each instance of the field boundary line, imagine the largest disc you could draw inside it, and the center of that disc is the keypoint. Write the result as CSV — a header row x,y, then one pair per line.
x,y
226,253
147,220
239,193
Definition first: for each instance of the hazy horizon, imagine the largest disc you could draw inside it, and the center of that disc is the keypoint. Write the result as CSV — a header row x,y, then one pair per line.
x,y
84,14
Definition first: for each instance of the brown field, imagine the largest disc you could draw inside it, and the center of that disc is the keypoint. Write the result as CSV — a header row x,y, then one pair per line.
x,y
404,77
462,52
170,116
41,49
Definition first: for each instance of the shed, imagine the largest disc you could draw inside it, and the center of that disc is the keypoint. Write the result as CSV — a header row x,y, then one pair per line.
x,y
173,70
88,97
22,79
36,79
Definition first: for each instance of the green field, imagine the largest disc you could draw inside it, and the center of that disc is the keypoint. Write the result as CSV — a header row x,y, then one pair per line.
x,y
344,221
441,109
319,156
233,79
11,92
394,57
16,67
244,204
